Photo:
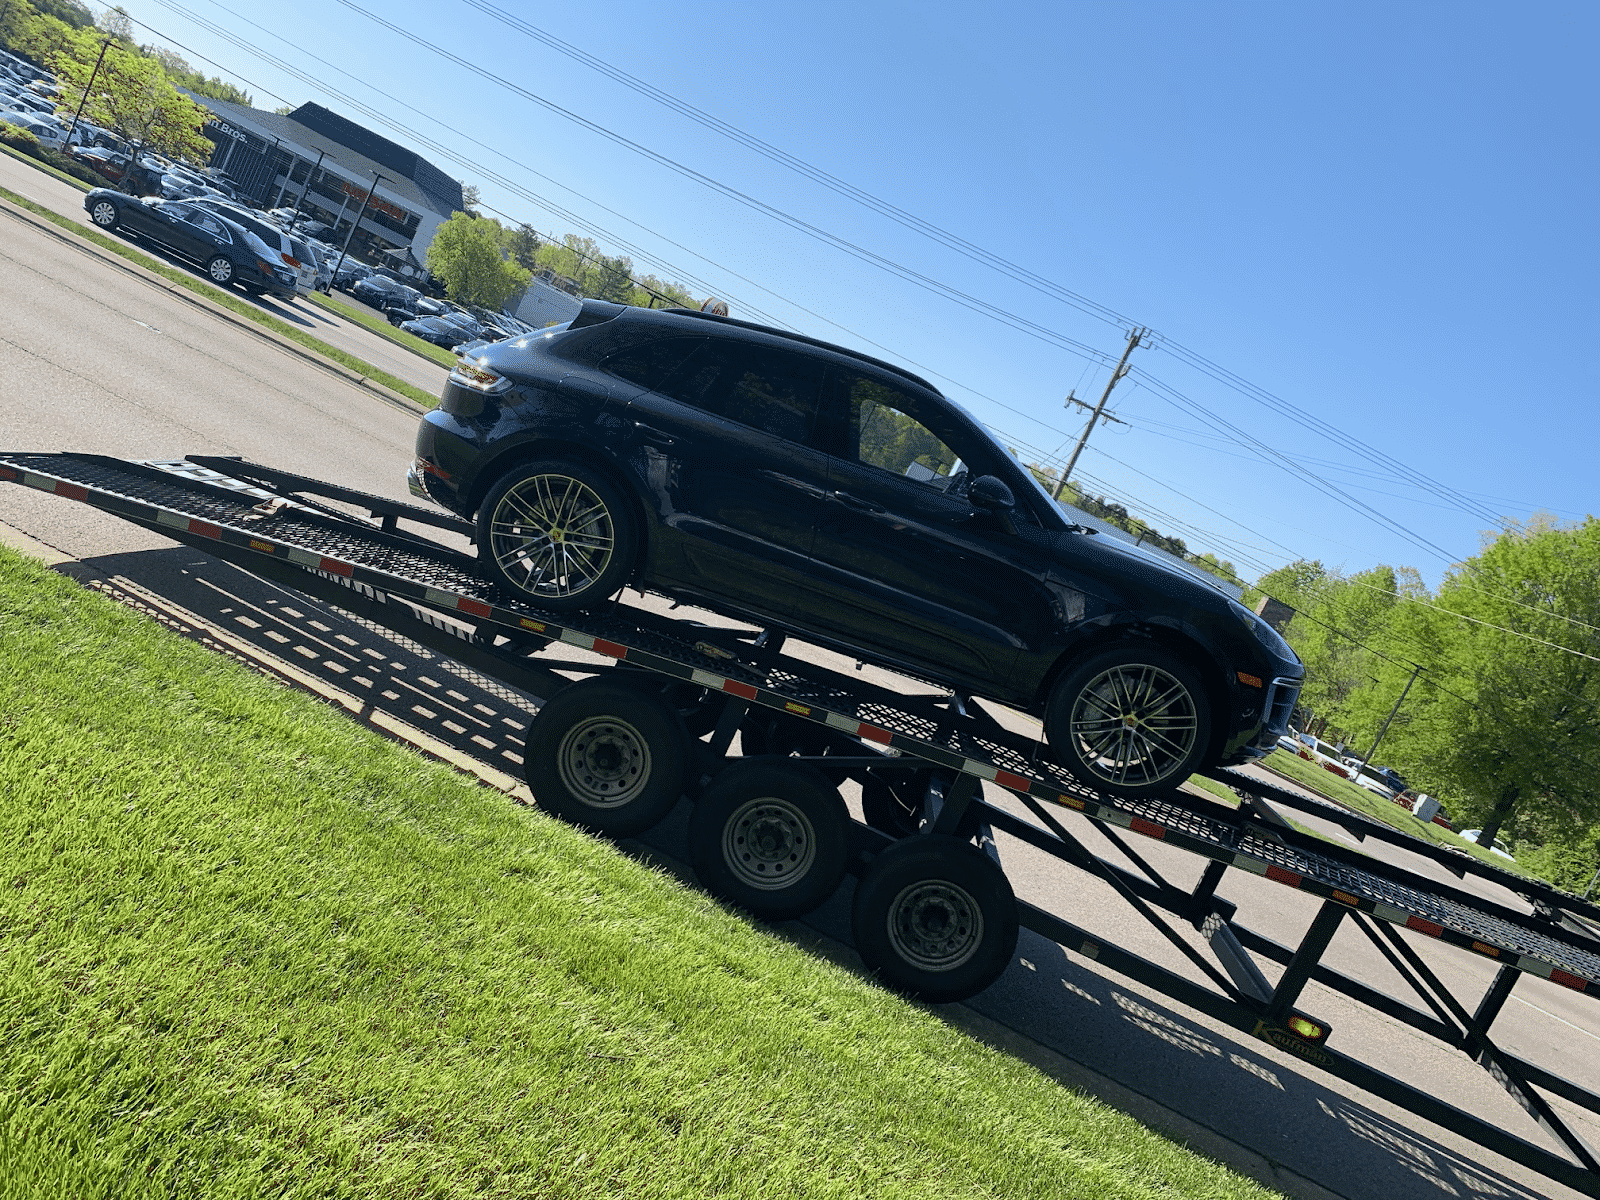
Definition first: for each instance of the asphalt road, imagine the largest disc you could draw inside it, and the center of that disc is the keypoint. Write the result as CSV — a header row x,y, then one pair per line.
x,y
97,356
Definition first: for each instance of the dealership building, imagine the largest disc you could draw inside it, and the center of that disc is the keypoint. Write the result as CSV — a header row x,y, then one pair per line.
x,y
335,171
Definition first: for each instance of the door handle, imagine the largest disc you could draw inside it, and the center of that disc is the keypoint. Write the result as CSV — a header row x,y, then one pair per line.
x,y
657,437
798,485
855,502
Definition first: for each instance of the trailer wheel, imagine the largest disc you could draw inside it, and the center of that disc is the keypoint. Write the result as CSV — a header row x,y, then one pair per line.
x,y
935,918
606,757
557,534
771,836
1132,721
700,708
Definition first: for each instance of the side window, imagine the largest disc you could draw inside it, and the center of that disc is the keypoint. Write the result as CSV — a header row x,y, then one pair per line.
x,y
208,223
774,391
650,364
881,434
769,389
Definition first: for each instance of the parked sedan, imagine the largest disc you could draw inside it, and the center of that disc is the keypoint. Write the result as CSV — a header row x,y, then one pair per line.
x,y
228,252
447,331
292,252
47,130
807,487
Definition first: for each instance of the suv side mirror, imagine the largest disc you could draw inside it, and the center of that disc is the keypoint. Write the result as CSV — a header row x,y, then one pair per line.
x,y
990,493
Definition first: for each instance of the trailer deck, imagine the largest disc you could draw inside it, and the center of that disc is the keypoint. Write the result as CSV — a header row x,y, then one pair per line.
x,y
284,527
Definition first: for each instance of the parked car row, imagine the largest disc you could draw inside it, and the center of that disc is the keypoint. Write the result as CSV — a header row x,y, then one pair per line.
x,y
227,252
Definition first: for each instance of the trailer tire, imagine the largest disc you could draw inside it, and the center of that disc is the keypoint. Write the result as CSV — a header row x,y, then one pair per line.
x,y
1133,720
698,707
770,835
559,535
935,919
606,757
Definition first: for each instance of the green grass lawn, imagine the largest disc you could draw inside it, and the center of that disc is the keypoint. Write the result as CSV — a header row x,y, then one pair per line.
x,y
248,948
1326,783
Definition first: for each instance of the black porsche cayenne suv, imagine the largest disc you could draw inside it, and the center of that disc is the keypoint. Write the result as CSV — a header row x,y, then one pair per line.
x,y
801,485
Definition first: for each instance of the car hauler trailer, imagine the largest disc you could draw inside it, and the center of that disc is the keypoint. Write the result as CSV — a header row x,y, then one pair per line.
x,y
933,913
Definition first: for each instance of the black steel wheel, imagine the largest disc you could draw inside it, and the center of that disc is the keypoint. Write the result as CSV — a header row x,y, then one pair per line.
x,y
606,757
935,918
1132,720
558,534
105,214
771,835
221,270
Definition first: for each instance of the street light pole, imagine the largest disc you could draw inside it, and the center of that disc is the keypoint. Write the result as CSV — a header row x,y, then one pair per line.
x,y
307,188
104,46
345,249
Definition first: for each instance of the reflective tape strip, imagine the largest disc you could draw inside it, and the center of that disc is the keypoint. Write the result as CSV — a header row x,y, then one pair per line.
x,y
845,724
263,547
1254,865
1112,816
799,710
530,623
1389,913
1422,925
1017,783
1345,898
706,679
1534,966
1279,875
573,638
1070,801
1557,975
1491,951
601,646
873,734
1148,828
460,603
317,562
71,491
8,473
176,520
742,690
982,770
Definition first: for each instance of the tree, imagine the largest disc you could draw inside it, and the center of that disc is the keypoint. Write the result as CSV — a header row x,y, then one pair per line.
x,y
470,199
1505,717
131,96
465,255
523,243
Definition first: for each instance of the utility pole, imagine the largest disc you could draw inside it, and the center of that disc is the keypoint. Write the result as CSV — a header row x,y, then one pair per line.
x,y
104,46
1134,338
1417,670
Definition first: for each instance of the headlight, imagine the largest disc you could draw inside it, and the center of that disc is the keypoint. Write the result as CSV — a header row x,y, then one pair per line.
x,y
1266,635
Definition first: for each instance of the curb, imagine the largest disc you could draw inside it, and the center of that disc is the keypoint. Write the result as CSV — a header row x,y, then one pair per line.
x,y
200,301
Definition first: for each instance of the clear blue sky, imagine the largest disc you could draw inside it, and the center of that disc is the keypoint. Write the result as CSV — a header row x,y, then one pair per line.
x,y
1381,214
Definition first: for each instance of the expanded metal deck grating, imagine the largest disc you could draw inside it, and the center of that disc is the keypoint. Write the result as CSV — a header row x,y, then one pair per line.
x,y
199,503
